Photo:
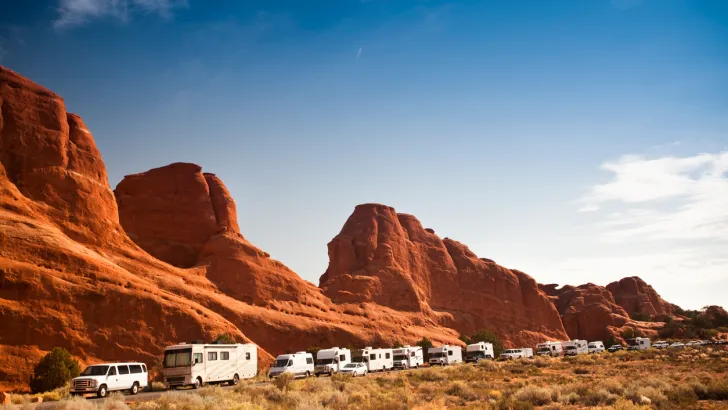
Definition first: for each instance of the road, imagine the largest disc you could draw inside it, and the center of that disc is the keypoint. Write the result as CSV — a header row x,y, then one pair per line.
x,y
144,396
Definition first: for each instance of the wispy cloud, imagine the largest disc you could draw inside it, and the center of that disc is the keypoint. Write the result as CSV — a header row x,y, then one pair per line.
x,y
73,13
665,198
358,53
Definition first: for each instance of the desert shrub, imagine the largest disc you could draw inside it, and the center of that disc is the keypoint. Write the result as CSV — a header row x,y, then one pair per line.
x,y
538,396
54,370
716,390
462,390
158,386
56,394
283,381
581,370
598,396
683,396
655,395
612,386
225,339
489,365
541,362
427,375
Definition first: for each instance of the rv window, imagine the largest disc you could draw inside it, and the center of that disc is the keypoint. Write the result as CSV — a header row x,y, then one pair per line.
x,y
224,355
123,369
197,358
449,353
112,371
309,360
211,356
412,354
386,356
373,357
342,357
135,368
247,355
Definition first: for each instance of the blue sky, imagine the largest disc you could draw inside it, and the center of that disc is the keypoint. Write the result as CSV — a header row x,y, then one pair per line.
x,y
577,140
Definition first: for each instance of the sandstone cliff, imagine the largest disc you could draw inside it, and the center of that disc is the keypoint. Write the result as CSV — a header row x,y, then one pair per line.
x,y
388,258
637,297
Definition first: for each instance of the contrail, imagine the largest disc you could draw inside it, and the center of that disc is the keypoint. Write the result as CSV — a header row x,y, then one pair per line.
x,y
358,53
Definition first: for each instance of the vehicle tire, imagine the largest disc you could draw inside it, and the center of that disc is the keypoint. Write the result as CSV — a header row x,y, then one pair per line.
x,y
308,374
198,383
318,375
103,391
235,380
134,389
365,373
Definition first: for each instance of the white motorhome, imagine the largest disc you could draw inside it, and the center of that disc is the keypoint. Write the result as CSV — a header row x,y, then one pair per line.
x,y
374,359
445,355
553,349
298,364
575,347
407,357
478,351
520,353
639,343
596,347
330,361
104,378
195,364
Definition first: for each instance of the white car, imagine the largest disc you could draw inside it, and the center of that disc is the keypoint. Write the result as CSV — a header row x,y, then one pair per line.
x,y
355,369
104,378
677,345
661,344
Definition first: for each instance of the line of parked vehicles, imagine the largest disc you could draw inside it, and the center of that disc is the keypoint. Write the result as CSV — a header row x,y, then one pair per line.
x,y
196,363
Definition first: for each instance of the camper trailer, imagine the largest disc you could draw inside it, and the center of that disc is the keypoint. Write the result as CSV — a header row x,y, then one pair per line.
x,y
478,351
596,347
575,347
330,361
553,349
407,357
298,364
374,359
638,343
445,355
195,364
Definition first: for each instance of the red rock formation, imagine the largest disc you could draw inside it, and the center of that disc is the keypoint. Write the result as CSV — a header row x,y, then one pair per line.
x,y
637,297
71,277
390,259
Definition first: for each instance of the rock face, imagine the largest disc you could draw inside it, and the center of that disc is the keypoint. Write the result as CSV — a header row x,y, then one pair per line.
x,y
387,258
637,297
71,277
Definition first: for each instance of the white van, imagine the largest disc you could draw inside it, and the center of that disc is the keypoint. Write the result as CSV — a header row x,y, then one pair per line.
x,y
553,349
478,351
330,361
407,357
298,364
104,378
374,359
661,344
520,353
195,364
575,347
445,355
639,343
596,347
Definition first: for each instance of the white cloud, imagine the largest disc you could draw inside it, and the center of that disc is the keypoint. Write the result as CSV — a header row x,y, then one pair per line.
x,y
588,208
77,12
665,198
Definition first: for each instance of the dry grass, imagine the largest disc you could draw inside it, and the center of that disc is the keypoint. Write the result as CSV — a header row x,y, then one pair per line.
x,y
626,381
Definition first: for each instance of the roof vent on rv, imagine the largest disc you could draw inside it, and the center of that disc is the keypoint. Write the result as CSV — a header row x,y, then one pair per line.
x,y
406,346
368,348
300,352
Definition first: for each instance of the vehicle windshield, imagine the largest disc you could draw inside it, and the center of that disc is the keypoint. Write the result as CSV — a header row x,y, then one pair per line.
x,y
282,363
400,357
570,347
438,354
475,354
324,361
95,371
178,358
592,346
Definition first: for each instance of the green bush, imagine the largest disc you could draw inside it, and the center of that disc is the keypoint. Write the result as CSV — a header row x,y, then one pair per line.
x,y
484,335
425,344
54,370
224,339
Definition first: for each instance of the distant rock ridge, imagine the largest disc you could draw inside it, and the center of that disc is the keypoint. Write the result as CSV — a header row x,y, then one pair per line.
x,y
637,297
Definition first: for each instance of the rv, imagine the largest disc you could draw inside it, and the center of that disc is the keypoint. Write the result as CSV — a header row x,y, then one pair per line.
x,y
194,364
575,347
638,343
478,351
552,349
521,353
445,355
374,359
330,361
298,364
407,357
596,347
